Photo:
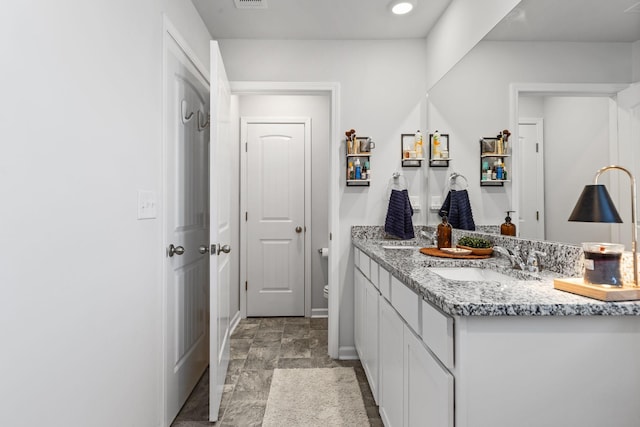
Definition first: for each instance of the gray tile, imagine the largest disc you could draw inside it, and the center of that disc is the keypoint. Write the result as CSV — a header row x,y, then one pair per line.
x,y
254,380
240,348
243,413
227,392
191,424
295,331
297,321
319,323
272,324
267,338
284,363
251,320
323,362
262,358
372,412
318,339
234,370
375,422
247,330
295,348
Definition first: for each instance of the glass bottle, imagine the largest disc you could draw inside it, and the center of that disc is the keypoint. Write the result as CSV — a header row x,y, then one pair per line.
x,y
444,233
508,228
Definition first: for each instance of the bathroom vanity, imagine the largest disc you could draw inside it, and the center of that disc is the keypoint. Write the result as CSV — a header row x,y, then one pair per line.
x,y
475,343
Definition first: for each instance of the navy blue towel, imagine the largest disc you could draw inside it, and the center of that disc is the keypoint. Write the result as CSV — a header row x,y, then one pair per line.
x,y
458,210
398,222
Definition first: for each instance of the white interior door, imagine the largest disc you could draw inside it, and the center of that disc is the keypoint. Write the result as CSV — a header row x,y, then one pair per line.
x,y
275,219
531,221
187,228
220,229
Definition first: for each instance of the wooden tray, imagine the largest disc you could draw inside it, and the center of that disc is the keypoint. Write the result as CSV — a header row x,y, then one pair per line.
x,y
576,285
437,252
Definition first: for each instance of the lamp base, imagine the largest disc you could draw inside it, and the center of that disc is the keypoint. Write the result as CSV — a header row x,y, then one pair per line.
x,y
576,285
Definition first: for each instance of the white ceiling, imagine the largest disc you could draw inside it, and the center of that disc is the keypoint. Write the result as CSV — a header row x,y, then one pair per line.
x,y
318,19
531,20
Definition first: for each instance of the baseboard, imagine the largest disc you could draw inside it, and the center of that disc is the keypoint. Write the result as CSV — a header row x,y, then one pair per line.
x,y
347,353
234,322
319,312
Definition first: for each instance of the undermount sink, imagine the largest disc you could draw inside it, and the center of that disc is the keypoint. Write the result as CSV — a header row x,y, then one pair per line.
x,y
471,274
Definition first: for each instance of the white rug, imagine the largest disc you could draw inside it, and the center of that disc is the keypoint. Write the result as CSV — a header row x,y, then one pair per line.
x,y
315,397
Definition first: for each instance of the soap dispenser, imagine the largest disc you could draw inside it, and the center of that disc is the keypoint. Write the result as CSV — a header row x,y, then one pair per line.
x,y
444,232
508,228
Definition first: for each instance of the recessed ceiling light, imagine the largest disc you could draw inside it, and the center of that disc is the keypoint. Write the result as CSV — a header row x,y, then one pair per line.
x,y
401,7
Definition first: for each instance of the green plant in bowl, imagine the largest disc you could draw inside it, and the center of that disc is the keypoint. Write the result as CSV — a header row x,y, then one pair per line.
x,y
477,245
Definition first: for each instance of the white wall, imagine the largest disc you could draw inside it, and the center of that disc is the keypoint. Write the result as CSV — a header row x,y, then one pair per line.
x,y
576,145
317,108
472,101
81,126
635,48
382,96
462,25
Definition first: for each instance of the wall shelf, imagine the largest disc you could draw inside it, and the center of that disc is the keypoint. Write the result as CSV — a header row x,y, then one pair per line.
x,y
362,157
492,158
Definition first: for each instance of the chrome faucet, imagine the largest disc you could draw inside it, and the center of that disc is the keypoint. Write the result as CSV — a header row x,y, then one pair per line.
x,y
514,257
534,261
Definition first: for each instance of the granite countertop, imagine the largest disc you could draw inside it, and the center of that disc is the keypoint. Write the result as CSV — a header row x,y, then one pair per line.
x,y
529,294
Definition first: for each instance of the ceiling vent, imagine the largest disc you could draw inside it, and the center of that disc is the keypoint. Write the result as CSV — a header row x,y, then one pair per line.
x,y
250,4
633,9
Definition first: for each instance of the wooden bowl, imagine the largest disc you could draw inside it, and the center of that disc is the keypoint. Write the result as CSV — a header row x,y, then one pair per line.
x,y
477,251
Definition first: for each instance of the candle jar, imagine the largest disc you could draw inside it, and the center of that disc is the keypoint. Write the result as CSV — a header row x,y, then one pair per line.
x,y
602,263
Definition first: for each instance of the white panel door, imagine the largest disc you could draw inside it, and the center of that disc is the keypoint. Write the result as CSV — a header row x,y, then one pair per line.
x,y
531,223
220,229
275,223
187,228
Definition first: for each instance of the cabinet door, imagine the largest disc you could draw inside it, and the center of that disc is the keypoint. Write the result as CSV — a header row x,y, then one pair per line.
x,y
428,387
369,325
358,312
391,365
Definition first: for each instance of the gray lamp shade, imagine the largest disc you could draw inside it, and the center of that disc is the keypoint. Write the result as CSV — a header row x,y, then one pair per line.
x,y
595,205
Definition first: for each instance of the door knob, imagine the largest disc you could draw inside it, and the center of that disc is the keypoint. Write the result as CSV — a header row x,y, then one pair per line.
x,y
224,248
298,229
175,250
203,249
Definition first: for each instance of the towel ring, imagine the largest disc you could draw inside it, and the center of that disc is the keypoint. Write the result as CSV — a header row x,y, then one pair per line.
x,y
453,178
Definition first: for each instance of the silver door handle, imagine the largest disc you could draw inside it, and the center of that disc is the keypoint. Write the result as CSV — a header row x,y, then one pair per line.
x,y
175,250
203,249
298,229
224,248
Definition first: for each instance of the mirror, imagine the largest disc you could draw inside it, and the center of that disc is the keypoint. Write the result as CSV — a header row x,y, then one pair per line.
x,y
582,127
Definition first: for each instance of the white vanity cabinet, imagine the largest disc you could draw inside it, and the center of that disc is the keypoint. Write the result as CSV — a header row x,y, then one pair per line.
x,y
366,325
410,384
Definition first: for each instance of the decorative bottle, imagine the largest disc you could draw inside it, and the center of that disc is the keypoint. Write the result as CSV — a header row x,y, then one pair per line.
x,y
508,228
444,233
417,146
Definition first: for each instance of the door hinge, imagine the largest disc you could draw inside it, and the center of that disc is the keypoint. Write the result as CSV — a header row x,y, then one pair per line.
x,y
246,147
330,236
537,215
537,146
246,216
246,285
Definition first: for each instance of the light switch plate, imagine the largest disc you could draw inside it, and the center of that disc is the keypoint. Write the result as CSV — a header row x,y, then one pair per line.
x,y
147,204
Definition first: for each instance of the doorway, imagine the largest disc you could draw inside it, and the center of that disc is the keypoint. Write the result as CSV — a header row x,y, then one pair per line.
x,y
276,196
532,212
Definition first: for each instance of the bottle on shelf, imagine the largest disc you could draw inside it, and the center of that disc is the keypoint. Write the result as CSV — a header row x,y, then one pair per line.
x,y
500,171
350,171
508,228
358,169
436,145
444,233
417,145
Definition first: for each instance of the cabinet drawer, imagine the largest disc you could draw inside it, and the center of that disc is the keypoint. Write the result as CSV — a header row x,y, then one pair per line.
x,y
374,269
437,333
384,283
407,303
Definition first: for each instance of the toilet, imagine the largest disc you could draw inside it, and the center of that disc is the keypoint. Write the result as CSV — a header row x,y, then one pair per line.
x,y
325,254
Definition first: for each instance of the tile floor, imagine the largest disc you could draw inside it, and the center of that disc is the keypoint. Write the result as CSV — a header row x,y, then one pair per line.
x,y
258,346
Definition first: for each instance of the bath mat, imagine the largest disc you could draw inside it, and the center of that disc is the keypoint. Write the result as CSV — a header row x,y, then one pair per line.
x,y
315,397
